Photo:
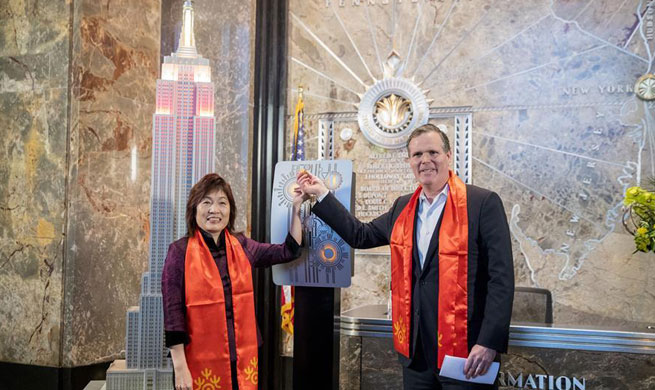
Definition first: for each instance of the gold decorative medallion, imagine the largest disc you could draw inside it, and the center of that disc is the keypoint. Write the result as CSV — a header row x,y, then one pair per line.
x,y
392,111
392,107
290,190
207,381
439,340
333,180
251,371
329,253
399,330
645,87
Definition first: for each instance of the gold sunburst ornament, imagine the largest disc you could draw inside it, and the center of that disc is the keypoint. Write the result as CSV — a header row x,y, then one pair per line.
x,y
645,87
392,107
392,110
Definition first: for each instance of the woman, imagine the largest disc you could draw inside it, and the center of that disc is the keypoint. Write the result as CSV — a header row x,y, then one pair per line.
x,y
209,311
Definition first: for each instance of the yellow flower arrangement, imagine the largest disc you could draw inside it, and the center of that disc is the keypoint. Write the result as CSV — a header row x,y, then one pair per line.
x,y
639,217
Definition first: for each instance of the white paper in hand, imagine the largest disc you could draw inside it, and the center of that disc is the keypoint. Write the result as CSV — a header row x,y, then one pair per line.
x,y
453,367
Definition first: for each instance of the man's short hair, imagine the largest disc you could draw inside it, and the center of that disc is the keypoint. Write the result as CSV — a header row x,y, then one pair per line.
x,y
430,128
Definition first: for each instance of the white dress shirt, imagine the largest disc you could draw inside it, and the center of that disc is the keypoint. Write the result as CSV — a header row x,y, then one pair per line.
x,y
428,216
426,221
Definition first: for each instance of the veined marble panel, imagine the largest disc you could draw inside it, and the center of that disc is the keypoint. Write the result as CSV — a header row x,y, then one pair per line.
x,y
115,65
370,283
34,43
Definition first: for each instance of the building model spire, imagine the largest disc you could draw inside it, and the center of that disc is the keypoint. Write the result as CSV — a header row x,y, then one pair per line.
x,y
187,45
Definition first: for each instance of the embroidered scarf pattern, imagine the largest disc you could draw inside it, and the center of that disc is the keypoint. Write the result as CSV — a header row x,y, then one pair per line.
x,y
453,274
208,353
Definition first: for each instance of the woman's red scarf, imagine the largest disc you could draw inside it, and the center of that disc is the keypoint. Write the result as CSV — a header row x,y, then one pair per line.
x,y
453,271
208,353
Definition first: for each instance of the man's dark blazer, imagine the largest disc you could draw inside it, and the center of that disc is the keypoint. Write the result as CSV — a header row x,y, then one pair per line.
x,y
490,268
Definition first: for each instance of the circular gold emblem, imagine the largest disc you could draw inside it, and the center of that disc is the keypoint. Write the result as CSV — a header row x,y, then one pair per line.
x,y
333,180
290,189
392,107
645,87
390,110
393,113
329,253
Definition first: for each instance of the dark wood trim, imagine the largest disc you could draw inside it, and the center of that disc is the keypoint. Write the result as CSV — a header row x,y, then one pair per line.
x,y
267,150
316,343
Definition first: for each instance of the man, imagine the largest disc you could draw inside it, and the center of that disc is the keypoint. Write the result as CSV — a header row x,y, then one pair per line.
x,y
452,276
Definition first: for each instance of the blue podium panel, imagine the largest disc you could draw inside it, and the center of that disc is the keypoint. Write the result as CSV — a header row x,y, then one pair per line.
x,y
326,259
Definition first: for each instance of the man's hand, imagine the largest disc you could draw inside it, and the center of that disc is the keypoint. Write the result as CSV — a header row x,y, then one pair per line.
x,y
479,361
310,184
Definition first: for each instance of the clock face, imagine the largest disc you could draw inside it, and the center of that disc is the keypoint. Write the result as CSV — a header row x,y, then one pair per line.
x,y
645,87
543,103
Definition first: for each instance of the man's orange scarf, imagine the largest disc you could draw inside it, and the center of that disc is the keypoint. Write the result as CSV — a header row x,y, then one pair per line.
x,y
208,353
453,271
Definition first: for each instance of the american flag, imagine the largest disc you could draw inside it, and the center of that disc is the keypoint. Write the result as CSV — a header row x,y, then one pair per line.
x,y
297,154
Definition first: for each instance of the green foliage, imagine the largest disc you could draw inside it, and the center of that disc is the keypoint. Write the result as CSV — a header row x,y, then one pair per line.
x,y
639,217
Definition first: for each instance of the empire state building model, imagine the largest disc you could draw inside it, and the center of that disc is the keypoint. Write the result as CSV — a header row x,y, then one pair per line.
x,y
182,152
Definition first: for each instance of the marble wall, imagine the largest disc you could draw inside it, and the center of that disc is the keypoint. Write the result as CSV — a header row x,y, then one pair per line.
x,y
114,67
555,126
77,91
34,95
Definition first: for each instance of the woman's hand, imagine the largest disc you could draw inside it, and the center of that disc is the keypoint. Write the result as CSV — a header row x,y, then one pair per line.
x,y
183,379
299,196
311,184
